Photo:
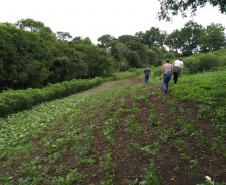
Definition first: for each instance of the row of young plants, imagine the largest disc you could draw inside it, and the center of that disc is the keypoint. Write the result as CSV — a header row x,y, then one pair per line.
x,y
13,101
125,133
52,142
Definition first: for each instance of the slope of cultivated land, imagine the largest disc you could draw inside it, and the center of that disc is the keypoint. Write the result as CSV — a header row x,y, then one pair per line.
x,y
122,132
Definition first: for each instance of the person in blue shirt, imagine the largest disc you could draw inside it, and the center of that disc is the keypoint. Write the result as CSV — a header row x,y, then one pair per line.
x,y
147,73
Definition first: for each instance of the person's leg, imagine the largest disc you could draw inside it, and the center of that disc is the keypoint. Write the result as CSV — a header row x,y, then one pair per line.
x,y
165,83
145,78
168,77
175,77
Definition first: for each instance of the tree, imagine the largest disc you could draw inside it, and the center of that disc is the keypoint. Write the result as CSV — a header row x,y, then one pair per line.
x,y
63,35
118,51
153,37
186,40
170,8
30,25
24,57
105,41
98,60
80,40
213,38
134,59
153,58
174,41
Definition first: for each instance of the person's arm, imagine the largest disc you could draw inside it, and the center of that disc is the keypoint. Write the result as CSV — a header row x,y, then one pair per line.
x,y
163,69
181,70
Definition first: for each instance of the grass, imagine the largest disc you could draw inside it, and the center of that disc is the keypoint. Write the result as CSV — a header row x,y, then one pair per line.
x,y
206,89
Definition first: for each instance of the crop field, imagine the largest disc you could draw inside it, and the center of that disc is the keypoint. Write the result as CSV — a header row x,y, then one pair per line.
x,y
121,132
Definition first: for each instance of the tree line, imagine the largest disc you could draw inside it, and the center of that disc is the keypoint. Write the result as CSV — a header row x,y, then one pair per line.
x,y
31,55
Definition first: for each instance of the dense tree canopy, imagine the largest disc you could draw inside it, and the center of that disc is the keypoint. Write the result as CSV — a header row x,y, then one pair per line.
x,y
153,37
170,8
193,38
213,38
31,55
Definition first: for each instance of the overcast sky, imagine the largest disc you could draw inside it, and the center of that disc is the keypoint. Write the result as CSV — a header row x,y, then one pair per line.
x,y
94,18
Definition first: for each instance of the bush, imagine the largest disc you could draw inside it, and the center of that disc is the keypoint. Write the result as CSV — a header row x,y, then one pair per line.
x,y
205,62
191,64
13,101
208,62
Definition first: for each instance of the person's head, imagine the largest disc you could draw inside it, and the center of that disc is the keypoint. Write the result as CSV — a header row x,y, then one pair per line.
x,y
167,61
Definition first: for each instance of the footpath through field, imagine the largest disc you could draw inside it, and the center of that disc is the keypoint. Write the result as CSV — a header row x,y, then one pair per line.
x,y
122,132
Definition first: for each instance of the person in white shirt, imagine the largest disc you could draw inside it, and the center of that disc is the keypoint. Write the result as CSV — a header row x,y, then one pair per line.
x,y
178,66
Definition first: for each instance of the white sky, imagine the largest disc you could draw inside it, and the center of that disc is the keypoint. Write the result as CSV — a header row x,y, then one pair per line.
x,y
94,18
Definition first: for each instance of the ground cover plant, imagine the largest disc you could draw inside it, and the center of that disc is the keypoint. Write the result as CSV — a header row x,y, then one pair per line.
x,y
121,132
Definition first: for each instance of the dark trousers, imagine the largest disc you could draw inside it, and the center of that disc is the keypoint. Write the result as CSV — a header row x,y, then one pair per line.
x,y
176,73
175,77
146,78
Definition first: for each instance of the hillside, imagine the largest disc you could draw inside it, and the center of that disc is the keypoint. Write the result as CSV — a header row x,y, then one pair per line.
x,y
121,132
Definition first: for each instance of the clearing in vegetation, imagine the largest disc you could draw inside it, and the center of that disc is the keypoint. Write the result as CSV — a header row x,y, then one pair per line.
x,y
122,132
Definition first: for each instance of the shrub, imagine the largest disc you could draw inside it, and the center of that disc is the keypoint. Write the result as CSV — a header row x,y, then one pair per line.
x,y
13,101
208,62
204,62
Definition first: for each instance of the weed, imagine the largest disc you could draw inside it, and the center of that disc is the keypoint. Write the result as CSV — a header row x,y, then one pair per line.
x,y
151,176
88,161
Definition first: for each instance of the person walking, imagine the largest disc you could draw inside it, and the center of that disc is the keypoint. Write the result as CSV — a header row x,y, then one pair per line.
x,y
167,71
147,73
178,66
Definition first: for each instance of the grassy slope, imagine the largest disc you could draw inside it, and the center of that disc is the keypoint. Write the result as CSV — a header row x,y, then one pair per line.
x,y
208,89
119,133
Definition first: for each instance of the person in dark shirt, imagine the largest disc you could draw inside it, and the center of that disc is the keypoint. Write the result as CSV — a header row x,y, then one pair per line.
x,y
147,73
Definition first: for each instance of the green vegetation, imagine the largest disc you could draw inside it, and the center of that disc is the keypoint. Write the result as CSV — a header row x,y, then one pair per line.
x,y
172,8
17,100
13,101
205,62
207,89
32,55
100,135
120,132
